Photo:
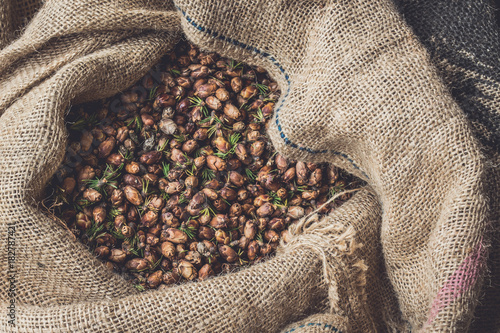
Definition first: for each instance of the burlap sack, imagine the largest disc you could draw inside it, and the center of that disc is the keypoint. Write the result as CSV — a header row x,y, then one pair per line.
x,y
464,43
359,91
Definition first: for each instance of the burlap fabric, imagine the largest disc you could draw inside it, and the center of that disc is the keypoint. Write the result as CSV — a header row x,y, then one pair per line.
x,y
358,90
14,15
464,43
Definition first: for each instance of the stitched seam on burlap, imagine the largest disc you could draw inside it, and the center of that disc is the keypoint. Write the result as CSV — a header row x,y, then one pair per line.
x,y
326,326
287,78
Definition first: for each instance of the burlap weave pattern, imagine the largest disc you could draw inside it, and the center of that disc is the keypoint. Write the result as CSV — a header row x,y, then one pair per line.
x,y
464,43
358,90
14,15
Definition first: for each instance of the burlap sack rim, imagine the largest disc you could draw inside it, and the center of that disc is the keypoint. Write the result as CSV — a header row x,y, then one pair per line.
x,y
285,75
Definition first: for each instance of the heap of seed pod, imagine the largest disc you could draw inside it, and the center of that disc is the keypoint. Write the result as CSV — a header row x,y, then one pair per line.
x,y
174,179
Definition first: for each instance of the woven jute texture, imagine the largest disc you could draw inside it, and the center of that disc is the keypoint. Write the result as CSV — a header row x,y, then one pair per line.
x,y
408,253
320,323
14,15
464,43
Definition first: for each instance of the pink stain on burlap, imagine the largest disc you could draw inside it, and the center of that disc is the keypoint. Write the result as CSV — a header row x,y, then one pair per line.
x,y
459,282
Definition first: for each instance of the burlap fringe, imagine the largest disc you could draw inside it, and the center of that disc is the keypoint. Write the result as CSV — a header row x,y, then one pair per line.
x,y
336,245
